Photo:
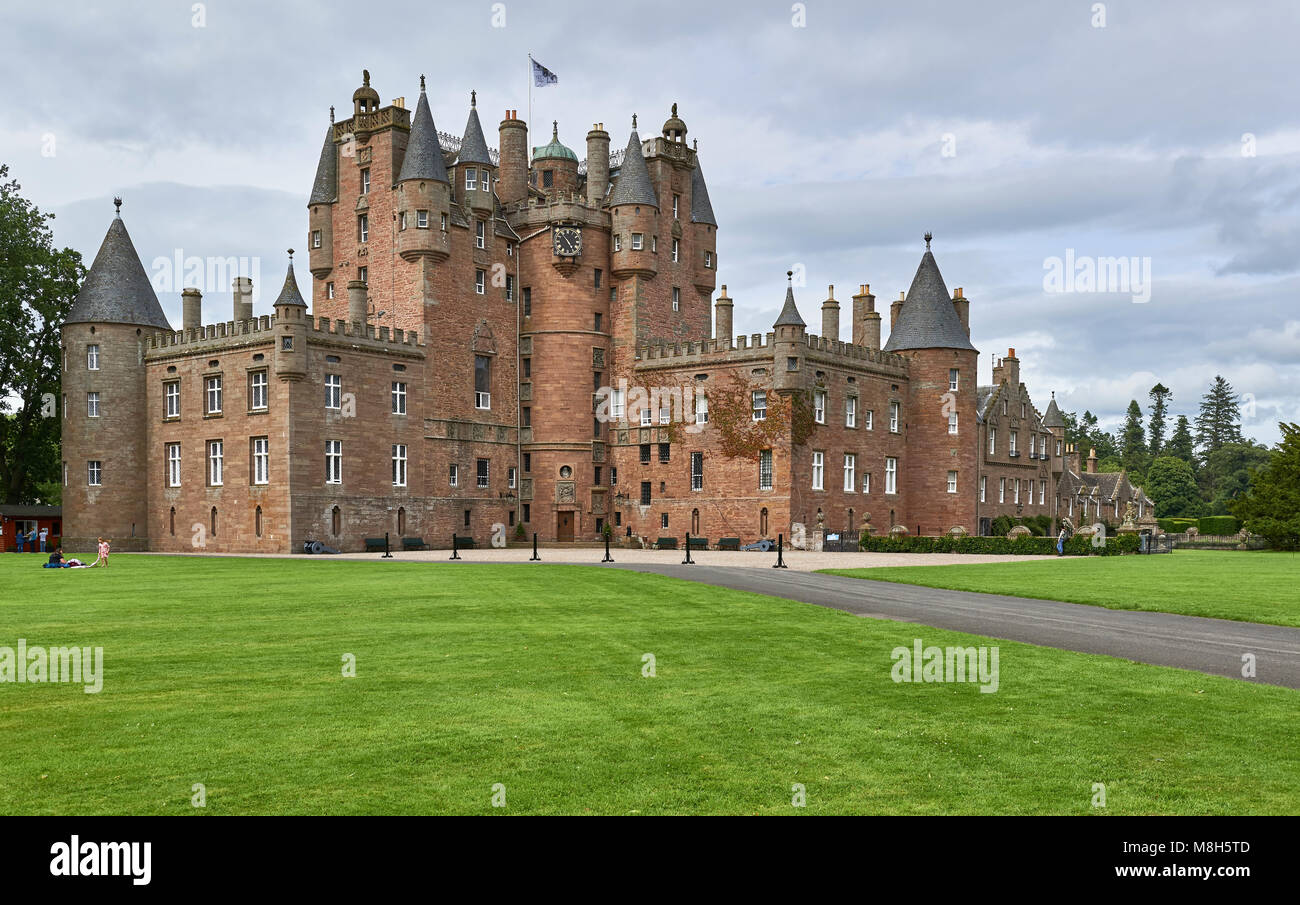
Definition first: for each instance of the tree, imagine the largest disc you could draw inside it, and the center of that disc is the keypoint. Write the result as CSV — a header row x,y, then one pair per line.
x,y
1181,445
1228,469
1272,506
1133,442
1172,486
38,284
1219,421
1160,396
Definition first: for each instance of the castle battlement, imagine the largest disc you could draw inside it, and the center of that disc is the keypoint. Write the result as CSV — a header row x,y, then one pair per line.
x,y
703,351
381,336
230,333
211,334
838,349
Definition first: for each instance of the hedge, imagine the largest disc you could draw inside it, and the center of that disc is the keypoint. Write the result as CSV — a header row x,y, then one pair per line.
x,y
1021,546
1176,525
1218,524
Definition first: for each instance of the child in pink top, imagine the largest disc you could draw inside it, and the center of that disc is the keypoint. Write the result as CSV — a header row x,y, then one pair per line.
x,y
103,552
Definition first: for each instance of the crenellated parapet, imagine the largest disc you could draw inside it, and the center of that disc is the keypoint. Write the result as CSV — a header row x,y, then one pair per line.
x,y
821,350
229,335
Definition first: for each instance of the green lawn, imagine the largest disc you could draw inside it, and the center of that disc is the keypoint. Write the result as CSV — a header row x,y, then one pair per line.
x,y
1224,584
227,672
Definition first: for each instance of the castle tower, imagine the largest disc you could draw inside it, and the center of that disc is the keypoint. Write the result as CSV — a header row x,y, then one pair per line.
x,y
320,207
555,166
722,318
789,342
830,316
423,191
475,165
104,449
704,234
634,208
512,178
866,320
597,165
929,333
291,322
1055,422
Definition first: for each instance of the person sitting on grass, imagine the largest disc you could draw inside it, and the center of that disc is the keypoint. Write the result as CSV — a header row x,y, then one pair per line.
x,y
56,560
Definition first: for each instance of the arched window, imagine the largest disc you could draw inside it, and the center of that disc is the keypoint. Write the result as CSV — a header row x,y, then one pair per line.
x,y
401,521
336,521
695,521
257,521
213,530
762,522
172,523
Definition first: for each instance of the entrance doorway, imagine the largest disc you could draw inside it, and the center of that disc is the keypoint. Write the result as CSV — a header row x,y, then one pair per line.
x,y
564,526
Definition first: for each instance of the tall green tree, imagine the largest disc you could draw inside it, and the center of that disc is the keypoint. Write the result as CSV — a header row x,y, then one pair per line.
x,y
1219,420
1133,443
1226,475
1160,396
38,284
1181,445
1272,506
1171,485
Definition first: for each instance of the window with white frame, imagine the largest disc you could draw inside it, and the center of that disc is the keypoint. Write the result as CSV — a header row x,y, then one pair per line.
x,y
480,281
1042,493
866,482
676,200
1058,447
676,248
471,178
850,473
647,415
765,469
618,243
697,471
891,475
851,411
363,228
172,394
315,238
421,219
618,404
1015,490
638,240
869,419
482,382
398,397
758,400
708,259
819,406
952,482
92,358
92,405
213,387
333,391
173,465
480,234
257,390
984,485
954,375
216,462
952,423
399,464
453,475
1002,490
818,468
365,181
333,461
993,440
677,299
893,417
261,460
94,472
701,409
512,477
1012,446
665,414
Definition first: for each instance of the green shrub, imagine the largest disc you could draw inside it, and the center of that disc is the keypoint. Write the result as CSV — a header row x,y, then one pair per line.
x,y
1022,546
1176,525
1002,525
1218,524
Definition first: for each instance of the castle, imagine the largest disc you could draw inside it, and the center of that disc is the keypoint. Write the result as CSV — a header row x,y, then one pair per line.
x,y
512,341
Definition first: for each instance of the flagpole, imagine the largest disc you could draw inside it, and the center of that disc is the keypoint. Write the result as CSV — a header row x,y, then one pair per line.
x,y
529,125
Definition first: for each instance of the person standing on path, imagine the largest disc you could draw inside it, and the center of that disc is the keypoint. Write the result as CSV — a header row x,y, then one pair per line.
x,y
44,534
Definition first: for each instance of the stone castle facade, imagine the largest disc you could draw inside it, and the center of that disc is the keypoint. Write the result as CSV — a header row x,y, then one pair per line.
x,y
497,339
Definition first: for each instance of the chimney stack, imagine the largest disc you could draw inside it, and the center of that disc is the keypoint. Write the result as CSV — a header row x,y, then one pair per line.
x,y
831,316
962,305
512,171
356,302
722,318
894,307
243,293
1011,368
597,164
866,322
191,309
1092,461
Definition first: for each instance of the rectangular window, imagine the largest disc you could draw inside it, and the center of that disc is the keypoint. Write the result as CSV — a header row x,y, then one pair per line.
x,y
953,377
645,453
1042,492
315,238
701,409
866,482
664,452
618,404
618,243
654,244
421,219
665,415
893,417
765,469
645,493
850,472
548,178
94,472
333,461
613,476
399,397
482,382
647,415
528,301
471,179
257,390
869,419
952,423
677,299
851,411
92,358
329,290
401,221
984,486
333,391
1015,490
676,248
697,471
216,462
818,468
676,200
952,482
480,234
708,259
891,475
637,241
173,465
365,181
1058,447
213,385
510,287
993,440
512,477
596,274
759,401
363,274
399,464
261,460
526,416
819,406
453,475
92,405
173,392
1012,448
480,281
363,228
1002,490
597,322
528,462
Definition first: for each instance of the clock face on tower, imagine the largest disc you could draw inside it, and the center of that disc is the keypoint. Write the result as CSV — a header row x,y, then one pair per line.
x,y
567,241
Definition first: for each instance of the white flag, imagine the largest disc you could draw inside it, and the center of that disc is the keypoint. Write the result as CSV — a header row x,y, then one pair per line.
x,y
542,76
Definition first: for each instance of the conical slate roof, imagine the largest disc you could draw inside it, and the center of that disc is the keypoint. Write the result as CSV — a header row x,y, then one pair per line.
x,y
325,190
423,158
116,290
928,319
634,185
1052,417
701,209
289,294
473,147
789,312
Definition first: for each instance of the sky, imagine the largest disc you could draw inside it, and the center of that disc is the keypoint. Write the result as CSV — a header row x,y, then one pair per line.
x,y
1035,140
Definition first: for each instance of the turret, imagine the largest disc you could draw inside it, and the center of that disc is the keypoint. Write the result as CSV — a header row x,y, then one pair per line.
x,y
357,302
474,165
830,316
320,207
597,164
191,309
291,323
423,191
704,233
789,342
866,320
512,177
1055,422
104,436
634,210
722,318
555,167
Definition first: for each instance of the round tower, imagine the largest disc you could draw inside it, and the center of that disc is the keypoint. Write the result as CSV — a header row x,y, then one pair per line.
x,y
105,420
703,233
555,167
291,323
320,208
512,178
423,191
474,163
597,164
634,212
789,336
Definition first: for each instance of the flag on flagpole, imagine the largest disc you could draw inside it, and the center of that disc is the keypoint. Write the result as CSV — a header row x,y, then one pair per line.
x,y
543,76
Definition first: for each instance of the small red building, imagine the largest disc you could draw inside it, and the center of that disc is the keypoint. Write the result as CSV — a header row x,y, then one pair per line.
x,y
26,519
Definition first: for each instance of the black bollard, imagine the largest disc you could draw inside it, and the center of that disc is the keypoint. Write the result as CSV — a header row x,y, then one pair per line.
x,y
387,553
607,558
535,558
688,561
780,560
454,553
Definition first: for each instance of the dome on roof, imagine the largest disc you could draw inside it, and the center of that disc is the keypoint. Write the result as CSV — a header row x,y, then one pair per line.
x,y
365,99
674,127
554,150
